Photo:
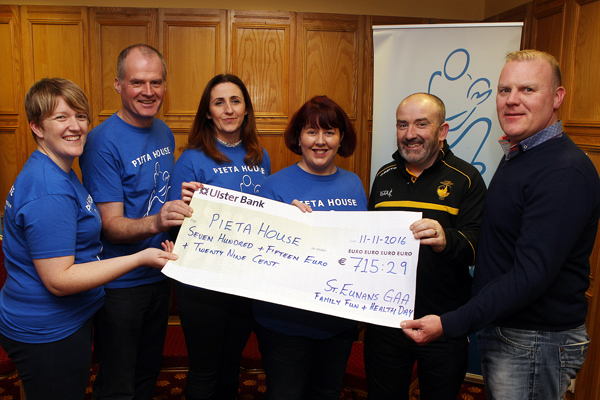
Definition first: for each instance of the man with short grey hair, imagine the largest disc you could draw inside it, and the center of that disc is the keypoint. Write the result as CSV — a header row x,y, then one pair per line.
x,y
126,167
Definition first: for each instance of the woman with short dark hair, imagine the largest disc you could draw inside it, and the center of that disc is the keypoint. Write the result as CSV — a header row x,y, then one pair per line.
x,y
305,353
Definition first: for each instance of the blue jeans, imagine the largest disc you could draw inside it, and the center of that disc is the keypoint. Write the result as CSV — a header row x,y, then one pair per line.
x,y
301,368
129,336
530,365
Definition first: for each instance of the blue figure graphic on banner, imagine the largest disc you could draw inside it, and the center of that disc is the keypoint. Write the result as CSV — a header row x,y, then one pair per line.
x,y
468,134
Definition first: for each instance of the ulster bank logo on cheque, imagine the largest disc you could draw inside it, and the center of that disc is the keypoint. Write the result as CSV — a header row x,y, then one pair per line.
x,y
233,196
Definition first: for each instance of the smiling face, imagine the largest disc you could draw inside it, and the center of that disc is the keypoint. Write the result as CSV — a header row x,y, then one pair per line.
x,y
142,89
227,110
62,135
419,133
319,147
528,98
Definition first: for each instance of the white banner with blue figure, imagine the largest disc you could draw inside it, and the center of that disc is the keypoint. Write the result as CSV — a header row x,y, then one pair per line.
x,y
460,64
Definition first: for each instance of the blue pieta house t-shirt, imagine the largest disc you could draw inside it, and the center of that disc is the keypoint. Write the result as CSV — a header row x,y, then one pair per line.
x,y
340,191
48,213
123,163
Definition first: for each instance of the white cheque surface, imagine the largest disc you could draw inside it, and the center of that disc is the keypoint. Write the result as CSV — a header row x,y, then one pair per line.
x,y
356,265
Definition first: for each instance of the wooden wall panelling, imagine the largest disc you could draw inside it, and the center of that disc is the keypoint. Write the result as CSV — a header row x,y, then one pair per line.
x,y
522,13
548,27
581,120
113,29
583,83
588,385
366,128
194,45
13,123
55,44
332,49
263,55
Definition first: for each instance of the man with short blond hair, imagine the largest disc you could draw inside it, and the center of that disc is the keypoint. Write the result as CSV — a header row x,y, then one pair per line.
x,y
539,227
126,166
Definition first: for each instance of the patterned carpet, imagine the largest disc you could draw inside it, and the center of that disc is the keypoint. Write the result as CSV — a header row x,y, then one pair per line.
x,y
171,386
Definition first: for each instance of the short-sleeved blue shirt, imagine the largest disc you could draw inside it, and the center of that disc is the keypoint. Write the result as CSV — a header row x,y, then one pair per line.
x,y
48,213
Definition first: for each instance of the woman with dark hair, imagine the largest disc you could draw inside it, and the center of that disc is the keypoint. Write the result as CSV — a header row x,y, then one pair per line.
x,y
223,150
305,353
53,252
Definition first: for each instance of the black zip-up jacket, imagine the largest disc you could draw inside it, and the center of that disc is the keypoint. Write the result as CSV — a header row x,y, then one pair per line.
x,y
452,192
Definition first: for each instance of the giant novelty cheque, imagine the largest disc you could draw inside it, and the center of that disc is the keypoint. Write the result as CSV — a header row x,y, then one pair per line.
x,y
351,264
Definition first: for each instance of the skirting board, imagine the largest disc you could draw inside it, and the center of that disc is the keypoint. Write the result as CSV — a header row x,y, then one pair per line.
x,y
473,378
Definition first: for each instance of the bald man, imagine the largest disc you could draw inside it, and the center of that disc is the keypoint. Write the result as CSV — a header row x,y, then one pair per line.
x,y
425,176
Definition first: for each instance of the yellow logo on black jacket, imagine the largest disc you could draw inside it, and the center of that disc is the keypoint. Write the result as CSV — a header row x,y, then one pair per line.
x,y
443,190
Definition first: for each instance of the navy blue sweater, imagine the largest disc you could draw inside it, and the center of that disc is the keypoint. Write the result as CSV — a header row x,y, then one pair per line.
x,y
538,230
